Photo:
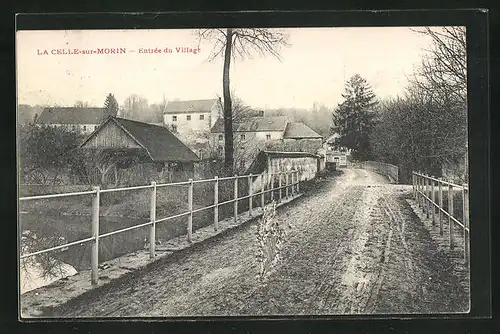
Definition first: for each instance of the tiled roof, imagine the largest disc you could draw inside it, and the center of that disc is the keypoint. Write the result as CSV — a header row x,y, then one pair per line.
x,y
73,115
300,130
254,124
193,106
161,144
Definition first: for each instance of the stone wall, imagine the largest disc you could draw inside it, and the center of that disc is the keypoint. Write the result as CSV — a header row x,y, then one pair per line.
x,y
388,170
270,162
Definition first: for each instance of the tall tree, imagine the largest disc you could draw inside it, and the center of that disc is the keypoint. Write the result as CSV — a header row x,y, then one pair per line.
x,y
111,104
442,75
354,118
243,43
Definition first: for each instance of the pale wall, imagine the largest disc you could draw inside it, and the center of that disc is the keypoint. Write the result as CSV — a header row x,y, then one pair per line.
x,y
84,128
307,167
195,124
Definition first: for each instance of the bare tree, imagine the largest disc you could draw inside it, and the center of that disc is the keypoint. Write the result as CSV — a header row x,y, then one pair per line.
x,y
244,43
240,110
443,74
136,108
444,69
81,104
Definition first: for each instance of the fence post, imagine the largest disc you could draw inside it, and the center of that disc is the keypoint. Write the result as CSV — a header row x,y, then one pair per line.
x,y
190,208
279,184
272,187
286,185
417,186
152,227
433,199
262,194
417,182
424,200
292,184
216,203
420,197
413,185
465,209
250,192
421,193
235,203
298,181
450,212
95,234
440,206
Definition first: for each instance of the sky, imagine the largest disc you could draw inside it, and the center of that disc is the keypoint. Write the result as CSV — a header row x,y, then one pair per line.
x,y
313,68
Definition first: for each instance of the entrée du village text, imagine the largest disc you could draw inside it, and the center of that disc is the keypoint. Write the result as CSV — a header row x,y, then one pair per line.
x,y
106,51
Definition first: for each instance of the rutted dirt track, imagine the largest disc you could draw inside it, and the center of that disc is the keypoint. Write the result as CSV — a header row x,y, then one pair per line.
x,y
354,247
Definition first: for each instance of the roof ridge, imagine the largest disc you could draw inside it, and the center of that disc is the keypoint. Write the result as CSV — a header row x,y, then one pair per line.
x,y
141,122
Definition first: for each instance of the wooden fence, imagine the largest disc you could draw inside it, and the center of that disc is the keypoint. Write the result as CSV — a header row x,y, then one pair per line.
x,y
428,193
279,185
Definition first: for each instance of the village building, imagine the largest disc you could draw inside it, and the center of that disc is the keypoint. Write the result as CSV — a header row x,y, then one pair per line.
x,y
82,119
336,155
184,117
254,134
137,152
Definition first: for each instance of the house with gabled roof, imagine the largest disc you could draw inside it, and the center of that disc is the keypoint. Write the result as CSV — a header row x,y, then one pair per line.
x,y
193,115
253,134
82,119
142,152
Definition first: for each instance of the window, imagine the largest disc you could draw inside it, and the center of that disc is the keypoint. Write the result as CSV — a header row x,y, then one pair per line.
x,y
268,137
202,117
95,127
73,128
242,137
174,118
221,137
188,117
174,128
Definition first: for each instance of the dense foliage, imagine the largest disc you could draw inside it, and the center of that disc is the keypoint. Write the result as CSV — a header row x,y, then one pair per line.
x,y
46,154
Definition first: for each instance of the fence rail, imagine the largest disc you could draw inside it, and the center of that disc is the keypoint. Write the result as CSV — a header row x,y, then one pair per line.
x,y
428,193
268,180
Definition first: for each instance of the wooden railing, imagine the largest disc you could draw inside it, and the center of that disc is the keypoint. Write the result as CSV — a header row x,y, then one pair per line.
x,y
428,193
291,188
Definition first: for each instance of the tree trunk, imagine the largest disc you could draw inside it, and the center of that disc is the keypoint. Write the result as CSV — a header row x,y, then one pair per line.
x,y
228,117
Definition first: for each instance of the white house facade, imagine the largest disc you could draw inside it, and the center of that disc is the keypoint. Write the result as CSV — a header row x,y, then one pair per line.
x,y
191,116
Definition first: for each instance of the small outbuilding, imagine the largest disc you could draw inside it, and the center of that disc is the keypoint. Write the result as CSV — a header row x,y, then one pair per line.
x,y
138,152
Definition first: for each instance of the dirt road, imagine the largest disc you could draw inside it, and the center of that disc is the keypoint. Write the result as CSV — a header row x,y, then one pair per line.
x,y
355,247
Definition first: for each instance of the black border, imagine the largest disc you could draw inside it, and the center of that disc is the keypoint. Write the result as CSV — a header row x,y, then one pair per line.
x,y
476,22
